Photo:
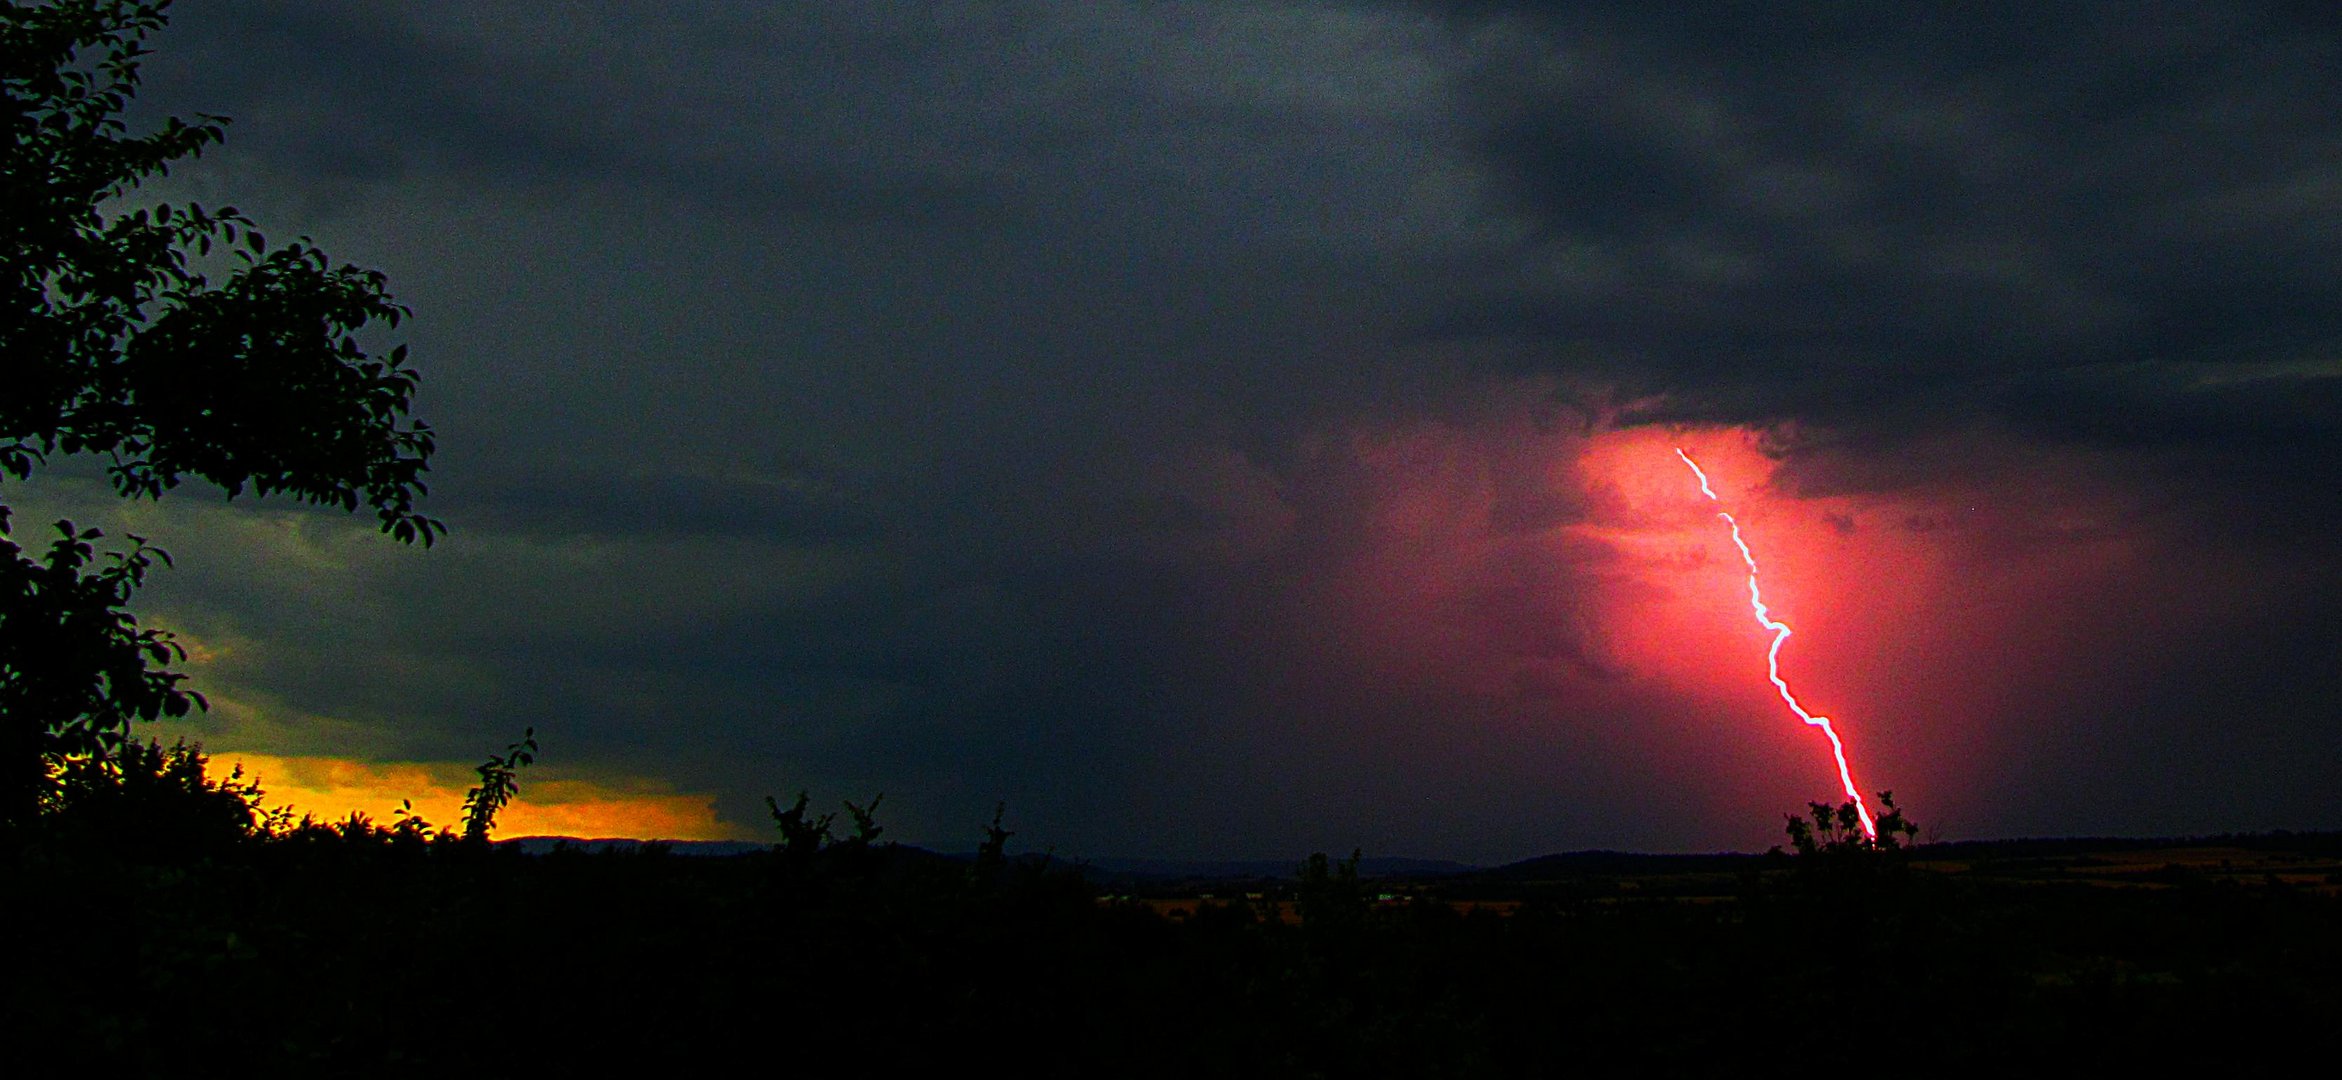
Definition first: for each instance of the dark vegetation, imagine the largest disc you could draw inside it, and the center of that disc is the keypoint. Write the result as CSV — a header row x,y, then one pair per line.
x,y
172,343
163,921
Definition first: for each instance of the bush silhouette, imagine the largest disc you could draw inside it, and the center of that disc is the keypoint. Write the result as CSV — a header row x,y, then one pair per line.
x,y
1831,846
158,803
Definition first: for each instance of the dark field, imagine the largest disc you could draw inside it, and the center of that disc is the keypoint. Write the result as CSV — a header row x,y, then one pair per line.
x,y
321,953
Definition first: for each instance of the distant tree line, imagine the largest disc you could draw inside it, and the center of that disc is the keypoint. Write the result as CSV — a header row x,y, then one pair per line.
x,y
172,925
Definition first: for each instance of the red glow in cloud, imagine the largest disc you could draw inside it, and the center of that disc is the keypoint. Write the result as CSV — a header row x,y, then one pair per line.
x,y
1438,597
1780,632
1973,612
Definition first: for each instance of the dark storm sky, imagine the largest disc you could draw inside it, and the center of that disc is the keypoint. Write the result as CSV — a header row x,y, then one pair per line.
x,y
1165,417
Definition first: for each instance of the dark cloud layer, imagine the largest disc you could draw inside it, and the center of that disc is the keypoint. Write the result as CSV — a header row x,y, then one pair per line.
x,y
1188,422
1990,214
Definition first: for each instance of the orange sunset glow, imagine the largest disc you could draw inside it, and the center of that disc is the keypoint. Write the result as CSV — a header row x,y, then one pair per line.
x,y
331,789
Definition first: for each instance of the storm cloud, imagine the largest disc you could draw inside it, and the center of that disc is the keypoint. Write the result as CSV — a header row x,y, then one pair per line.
x,y
1201,425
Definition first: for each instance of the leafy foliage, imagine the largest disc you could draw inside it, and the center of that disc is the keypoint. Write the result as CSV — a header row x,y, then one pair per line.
x,y
174,342
866,826
1835,832
801,838
117,341
499,783
75,668
1833,855
158,803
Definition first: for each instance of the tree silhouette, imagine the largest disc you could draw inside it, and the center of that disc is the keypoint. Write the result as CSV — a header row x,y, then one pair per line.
x,y
75,668
499,783
992,853
1840,864
1835,834
801,837
117,342
866,826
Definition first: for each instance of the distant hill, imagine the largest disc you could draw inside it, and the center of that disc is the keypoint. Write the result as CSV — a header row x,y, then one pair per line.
x,y
539,845
2280,840
1588,863
1097,869
1564,865
1259,869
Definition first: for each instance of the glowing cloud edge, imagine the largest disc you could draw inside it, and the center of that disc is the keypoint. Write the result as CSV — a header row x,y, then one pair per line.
x,y
1780,631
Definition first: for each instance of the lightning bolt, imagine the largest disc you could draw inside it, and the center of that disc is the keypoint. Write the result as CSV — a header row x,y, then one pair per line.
x,y
1764,618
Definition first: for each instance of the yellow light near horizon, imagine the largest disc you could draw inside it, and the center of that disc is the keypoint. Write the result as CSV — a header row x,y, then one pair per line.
x,y
330,789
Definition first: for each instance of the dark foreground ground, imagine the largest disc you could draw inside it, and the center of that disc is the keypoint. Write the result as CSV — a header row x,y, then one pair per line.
x,y
373,955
